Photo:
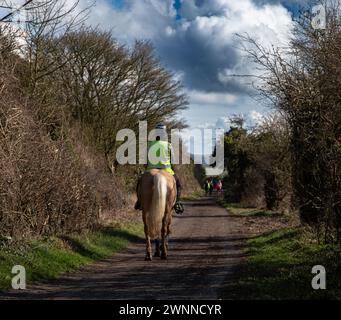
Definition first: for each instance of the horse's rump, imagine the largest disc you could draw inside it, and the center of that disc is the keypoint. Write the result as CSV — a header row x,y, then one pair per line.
x,y
157,207
157,196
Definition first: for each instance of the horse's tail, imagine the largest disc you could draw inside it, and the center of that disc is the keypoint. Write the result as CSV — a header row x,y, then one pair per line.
x,y
158,206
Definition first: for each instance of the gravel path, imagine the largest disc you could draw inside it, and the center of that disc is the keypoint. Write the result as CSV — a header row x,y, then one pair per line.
x,y
204,250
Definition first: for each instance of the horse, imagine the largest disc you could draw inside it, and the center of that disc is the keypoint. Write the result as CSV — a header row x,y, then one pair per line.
x,y
157,194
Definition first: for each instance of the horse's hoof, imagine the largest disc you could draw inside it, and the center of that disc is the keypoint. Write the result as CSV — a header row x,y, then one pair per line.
x,y
148,258
163,257
157,254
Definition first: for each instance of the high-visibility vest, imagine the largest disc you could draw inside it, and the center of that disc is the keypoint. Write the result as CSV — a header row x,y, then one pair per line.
x,y
159,156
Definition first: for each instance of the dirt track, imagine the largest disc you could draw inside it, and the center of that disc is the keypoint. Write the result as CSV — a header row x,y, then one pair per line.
x,y
204,251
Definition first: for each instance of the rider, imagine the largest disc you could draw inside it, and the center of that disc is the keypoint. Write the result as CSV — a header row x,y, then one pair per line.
x,y
162,150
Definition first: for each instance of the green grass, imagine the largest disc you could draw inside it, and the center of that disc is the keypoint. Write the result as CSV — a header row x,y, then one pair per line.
x,y
45,259
239,209
279,264
193,195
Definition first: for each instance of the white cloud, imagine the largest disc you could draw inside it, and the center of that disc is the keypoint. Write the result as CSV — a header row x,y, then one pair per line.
x,y
270,25
255,117
223,123
252,119
208,98
201,49
143,19
164,7
170,31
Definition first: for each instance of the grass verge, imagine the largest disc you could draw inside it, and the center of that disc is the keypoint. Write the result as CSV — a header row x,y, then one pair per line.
x,y
239,209
45,259
279,266
193,196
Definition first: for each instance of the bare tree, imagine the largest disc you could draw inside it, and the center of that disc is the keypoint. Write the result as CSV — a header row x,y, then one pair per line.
x,y
303,82
46,22
109,87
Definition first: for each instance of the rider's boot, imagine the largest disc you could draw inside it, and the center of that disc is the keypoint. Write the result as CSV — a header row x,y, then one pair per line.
x,y
137,205
178,207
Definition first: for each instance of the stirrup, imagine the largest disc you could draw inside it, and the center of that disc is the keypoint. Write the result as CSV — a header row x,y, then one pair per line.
x,y
179,208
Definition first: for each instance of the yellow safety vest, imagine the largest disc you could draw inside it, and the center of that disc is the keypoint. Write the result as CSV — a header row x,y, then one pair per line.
x,y
159,156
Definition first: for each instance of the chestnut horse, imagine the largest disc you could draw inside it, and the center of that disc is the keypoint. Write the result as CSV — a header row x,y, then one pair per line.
x,y
157,194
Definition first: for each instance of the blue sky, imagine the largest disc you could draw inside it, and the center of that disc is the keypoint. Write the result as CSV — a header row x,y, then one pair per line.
x,y
196,40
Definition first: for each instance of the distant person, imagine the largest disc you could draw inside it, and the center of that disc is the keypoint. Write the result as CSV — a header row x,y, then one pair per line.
x,y
219,187
211,187
207,187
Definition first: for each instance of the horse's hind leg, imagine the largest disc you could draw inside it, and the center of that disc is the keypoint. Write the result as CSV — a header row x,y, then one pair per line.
x,y
164,244
164,235
148,245
157,248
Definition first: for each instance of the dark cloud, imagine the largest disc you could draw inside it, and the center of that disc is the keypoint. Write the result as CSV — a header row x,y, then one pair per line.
x,y
199,60
198,38
194,8
201,53
290,4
